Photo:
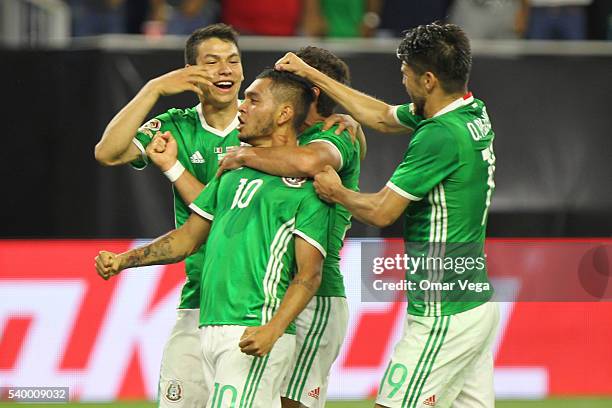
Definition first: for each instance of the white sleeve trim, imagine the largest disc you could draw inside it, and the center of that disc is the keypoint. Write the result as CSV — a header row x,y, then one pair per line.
x,y
332,145
311,241
403,193
399,122
201,212
143,153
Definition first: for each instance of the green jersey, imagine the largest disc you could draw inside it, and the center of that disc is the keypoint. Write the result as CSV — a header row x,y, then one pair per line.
x,y
250,258
447,173
332,283
200,147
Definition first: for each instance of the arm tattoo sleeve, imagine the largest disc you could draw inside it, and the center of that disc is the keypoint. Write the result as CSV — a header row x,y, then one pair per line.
x,y
161,251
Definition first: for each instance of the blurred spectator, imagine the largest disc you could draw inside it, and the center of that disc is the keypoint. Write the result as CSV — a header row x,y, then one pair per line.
x,y
400,15
262,17
556,19
185,16
488,19
93,17
341,18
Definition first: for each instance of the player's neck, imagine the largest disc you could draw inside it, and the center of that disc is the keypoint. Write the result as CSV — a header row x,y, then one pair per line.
x,y
219,117
312,118
438,101
282,136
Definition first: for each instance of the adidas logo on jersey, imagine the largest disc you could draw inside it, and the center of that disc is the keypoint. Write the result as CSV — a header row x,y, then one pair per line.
x,y
431,401
197,158
315,393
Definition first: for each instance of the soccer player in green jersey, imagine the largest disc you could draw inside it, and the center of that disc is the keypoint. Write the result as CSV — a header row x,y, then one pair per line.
x,y
321,327
265,251
202,135
444,186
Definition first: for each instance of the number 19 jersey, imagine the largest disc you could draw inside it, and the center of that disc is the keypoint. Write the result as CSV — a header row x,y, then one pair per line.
x,y
447,173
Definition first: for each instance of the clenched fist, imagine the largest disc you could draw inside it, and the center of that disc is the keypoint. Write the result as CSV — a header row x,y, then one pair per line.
x,y
258,341
107,264
163,150
292,63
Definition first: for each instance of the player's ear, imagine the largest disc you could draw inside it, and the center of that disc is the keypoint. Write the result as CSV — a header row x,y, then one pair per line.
x,y
429,81
285,115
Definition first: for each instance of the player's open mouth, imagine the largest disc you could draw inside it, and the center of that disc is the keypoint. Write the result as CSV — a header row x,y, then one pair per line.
x,y
224,85
240,124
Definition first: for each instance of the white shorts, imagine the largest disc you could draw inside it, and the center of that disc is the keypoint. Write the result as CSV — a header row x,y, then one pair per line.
x,y
321,328
443,362
181,380
238,380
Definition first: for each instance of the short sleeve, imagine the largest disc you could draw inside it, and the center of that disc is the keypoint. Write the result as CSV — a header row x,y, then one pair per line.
x,y
405,116
312,222
205,204
160,123
432,155
342,143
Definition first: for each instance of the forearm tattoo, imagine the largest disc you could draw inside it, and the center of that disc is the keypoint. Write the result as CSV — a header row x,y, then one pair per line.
x,y
160,251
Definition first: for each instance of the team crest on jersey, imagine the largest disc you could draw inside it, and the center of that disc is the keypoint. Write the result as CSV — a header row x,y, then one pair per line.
x,y
295,182
174,391
151,126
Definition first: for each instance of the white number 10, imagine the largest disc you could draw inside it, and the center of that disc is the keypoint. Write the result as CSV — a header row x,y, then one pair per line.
x,y
245,192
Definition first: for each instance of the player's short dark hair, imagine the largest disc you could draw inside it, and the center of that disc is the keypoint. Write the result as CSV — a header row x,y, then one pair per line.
x,y
221,31
288,87
332,66
442,49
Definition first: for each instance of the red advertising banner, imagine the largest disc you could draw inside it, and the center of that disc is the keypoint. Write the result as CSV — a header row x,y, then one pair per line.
x,y
62,325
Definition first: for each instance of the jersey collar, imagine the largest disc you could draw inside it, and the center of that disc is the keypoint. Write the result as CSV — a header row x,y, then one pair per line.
x,y
220,133
464,100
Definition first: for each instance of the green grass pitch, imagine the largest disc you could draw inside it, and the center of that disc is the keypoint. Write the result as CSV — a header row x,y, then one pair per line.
x,y
549,403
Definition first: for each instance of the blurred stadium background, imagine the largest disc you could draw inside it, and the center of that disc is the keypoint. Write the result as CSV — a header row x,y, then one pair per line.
x,y
60,325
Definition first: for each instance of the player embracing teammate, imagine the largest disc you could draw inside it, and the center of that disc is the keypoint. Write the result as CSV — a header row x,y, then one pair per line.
x,y
443,186
187,145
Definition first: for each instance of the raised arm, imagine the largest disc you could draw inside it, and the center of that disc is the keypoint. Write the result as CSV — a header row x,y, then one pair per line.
x,y
367,110
258,341
378,209
116,147
169,248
